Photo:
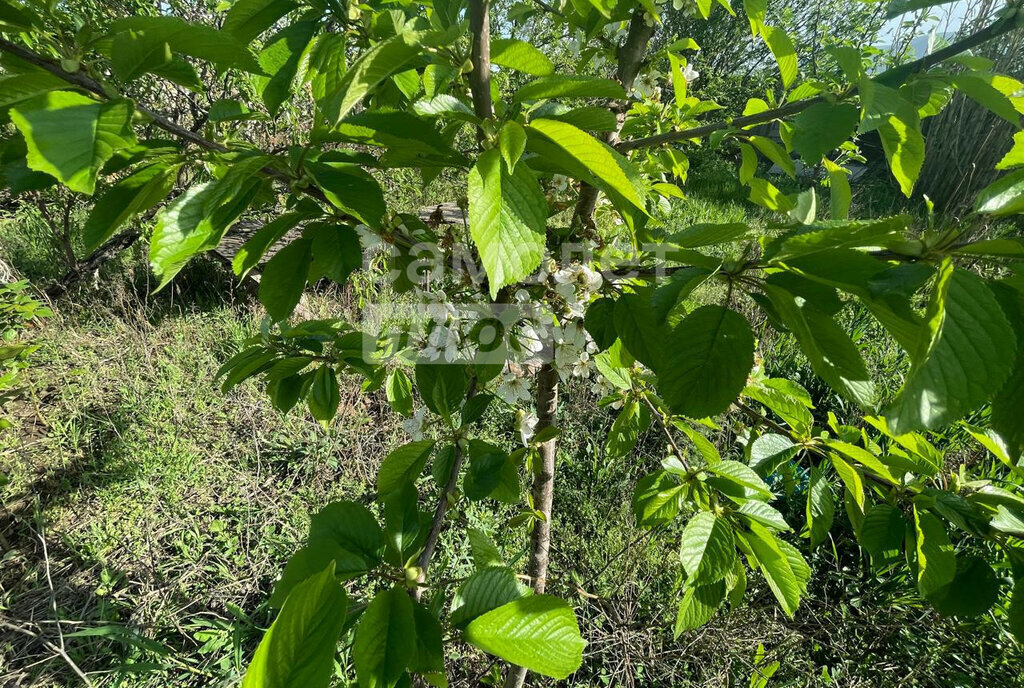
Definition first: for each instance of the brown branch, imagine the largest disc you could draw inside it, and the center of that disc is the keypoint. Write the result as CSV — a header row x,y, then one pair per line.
x,y
543,493
894,75
480,77
630,56
664,428
440,510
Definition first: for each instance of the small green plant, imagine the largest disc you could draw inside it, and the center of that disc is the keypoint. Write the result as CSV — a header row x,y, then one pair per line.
x,y
19,308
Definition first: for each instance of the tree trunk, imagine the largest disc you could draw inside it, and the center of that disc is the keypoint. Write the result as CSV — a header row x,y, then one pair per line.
x,y
630,58
543,492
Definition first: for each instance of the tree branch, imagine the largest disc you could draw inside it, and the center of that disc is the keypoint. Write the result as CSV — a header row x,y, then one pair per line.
x,y
543,494
630,57
480,77
440,510
894,75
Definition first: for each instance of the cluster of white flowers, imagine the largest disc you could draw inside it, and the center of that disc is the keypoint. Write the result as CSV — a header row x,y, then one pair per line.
x,y
575,285
574,351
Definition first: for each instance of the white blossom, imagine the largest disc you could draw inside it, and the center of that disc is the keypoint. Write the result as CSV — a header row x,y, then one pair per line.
x,y
690,74
414,425
513,389
527,426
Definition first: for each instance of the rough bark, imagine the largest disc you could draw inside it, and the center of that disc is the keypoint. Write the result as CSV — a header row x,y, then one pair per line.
x,y
630,58
480,77
543,493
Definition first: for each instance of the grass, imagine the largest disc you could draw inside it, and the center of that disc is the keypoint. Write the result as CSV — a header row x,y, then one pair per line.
x,y
150,513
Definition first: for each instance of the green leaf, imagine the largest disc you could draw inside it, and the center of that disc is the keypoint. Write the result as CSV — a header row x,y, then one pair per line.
x,y
898,7
903,144
608,166
709,234
485,553
821,128
787,406
767,195
784,569
18,87
429,655
402,466
831,352
636,325
487,589
374,66
1015,612
699,604
972,592
965,353
385,640
222,49
336,252
755,11
249,18
311,560
657,499
404,136
841,195
398,389
15,18
864,458
475,407
754,511
570,86
775,153
599,322
782,48
280,59
823,236
706,361
1004,196
299,647
538,632
668,297
441,386
820,505
707,551
197,219
1014,157
588,118
521,56
487,464
882,531
253,250
512,143
324,396
851,477
769,451
733,474
936,561
350,525
284,278
348,187
71,136
980,90
507,219
134,194
625,431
